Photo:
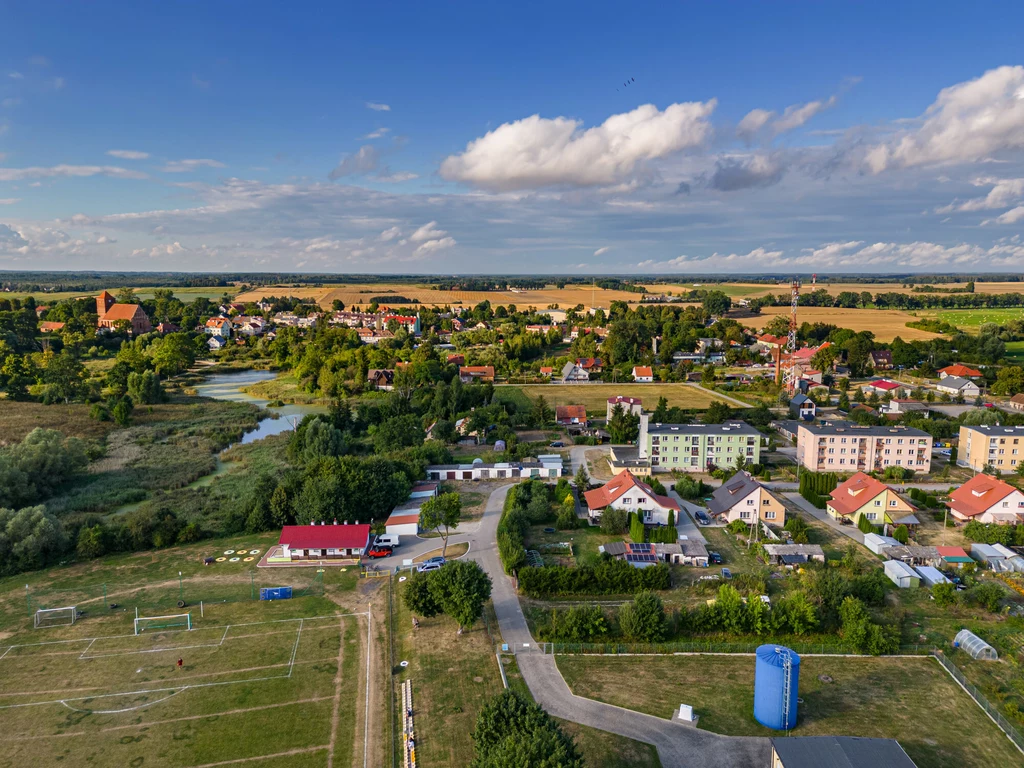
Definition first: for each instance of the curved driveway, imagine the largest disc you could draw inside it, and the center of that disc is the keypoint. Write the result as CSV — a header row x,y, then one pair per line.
x,y
677,744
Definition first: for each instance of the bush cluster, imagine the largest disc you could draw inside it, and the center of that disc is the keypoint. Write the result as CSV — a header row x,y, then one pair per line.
x,y
609,577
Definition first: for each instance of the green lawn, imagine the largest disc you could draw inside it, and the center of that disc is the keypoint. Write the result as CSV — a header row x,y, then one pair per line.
x,y
1015,352
913,700
971,319
585,541
595,396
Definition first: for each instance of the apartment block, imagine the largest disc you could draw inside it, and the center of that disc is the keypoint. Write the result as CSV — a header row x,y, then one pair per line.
x,y
843,446
696,447
1002,447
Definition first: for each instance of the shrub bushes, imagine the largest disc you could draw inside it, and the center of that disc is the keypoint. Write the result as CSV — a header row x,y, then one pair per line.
x,y
609,577
815,487
579,624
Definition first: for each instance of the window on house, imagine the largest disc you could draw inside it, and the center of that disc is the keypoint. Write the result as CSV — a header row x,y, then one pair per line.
x,y
769,515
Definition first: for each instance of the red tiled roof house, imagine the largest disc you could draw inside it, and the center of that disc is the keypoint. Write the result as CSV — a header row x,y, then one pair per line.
x,y
624,491
987,499
571,414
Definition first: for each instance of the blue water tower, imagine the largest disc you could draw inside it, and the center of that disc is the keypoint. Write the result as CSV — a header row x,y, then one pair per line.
x,y
776,682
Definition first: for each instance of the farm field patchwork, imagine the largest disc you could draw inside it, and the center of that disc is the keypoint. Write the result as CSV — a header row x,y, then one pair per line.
x,y
886,324
751,290
595,396
909,699
119,699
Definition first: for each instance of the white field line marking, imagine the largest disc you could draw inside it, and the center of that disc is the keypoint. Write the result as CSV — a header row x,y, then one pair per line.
x,y
119,711
224,636
295,650
169,631
366,716
337,699
299,751
82,655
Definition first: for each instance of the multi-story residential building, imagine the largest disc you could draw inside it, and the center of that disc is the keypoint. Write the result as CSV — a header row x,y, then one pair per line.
x,y
1002,447
843,446
696,447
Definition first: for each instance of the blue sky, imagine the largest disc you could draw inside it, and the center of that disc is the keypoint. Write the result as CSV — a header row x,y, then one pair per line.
x,y
445,138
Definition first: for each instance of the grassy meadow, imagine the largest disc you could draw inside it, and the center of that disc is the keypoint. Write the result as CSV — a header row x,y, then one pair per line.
x,y
913,700
595,396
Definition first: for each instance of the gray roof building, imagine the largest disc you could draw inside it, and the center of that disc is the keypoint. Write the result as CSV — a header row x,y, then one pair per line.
x,y
737,487
840,426
838,752
726,428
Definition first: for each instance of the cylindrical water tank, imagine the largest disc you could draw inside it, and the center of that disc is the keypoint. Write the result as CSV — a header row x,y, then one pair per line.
x,y
776,681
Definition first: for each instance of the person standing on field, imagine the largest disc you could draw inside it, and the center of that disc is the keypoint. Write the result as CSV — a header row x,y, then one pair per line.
x,y
181,662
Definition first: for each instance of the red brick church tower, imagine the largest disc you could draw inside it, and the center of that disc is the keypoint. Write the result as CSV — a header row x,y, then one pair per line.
x,y
103,303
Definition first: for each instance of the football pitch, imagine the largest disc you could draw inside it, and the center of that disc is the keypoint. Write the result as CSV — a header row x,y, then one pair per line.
x,y
260,690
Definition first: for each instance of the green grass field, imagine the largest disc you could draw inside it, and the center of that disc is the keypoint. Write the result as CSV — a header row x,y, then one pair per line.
x,y
909,699
1015,351
259,680
972,319
595,396
186,294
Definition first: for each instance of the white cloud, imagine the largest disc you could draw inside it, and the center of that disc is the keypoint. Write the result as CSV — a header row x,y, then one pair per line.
x,y
735,173
397,176
428,231
1012,216
968,122
431,246
390,234
59,83
602,251
1004,193
364,161
170,249
542,152
16,75
10,238
379,133
798,114
128,154
753,121
377,106
9,200
184,166
19,174
12,101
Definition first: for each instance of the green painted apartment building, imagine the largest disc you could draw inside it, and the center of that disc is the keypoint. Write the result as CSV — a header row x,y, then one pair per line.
x,y
695,447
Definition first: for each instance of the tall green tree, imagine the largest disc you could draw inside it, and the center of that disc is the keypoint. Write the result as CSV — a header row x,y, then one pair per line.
x,y
441,514
65,377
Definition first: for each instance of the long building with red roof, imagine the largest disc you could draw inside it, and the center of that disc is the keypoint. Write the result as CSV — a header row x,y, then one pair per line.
x,y
624,491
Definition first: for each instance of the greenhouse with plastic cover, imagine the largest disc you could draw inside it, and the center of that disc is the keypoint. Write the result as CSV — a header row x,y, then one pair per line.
x,y
970,643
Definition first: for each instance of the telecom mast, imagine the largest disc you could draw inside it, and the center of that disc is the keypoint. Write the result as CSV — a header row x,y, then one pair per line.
x,y
791,373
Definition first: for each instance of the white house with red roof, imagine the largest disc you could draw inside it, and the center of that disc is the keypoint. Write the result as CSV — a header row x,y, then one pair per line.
x,y
324,542
219,326
958,369
987,499
633,405
624,491
883,387
643,374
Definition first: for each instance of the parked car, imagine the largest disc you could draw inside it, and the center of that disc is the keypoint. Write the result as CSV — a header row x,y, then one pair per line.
x,y
715,558
439,560
378,550
557,444
726,573
702,517
427,567
386,540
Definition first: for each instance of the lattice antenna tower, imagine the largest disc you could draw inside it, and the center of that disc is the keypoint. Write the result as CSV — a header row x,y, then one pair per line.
x,y
791,373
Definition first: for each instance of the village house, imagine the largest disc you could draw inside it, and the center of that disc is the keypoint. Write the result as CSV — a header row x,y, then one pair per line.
x,y
955,385
630,405
863,495
219,326
50,326
571,414
111,314
591,365
742,497
216,342
959,370
987,499
624,491
380,378
456,359
882,387
471,373
546,371
802,407
880,359
1017,402
572,374
642,374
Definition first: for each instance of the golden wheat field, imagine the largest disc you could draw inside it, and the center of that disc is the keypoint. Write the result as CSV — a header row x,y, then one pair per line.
x,y
886,324
360,295
752,290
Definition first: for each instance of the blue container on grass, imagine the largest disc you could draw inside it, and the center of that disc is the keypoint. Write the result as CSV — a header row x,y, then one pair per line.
x,y
776,682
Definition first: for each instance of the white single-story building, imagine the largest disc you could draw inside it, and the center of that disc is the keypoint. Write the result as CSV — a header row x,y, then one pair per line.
x,y
502,470
954,385
931,576
405,519
877,543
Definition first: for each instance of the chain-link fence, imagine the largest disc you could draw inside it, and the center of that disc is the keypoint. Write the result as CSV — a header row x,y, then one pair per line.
x,y
836,648
1012,732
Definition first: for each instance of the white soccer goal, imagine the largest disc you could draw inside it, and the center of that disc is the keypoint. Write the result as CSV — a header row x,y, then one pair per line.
x,y
177,621
55,617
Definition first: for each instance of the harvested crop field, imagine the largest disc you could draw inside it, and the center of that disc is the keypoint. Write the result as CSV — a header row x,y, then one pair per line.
x,y
751,290
886,324
594,397
418,293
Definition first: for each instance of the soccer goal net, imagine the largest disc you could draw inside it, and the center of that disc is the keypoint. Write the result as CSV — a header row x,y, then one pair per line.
x,y
55,617
178,621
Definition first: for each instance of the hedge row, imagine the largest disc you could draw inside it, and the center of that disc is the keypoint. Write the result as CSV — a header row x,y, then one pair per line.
x,y
609,577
